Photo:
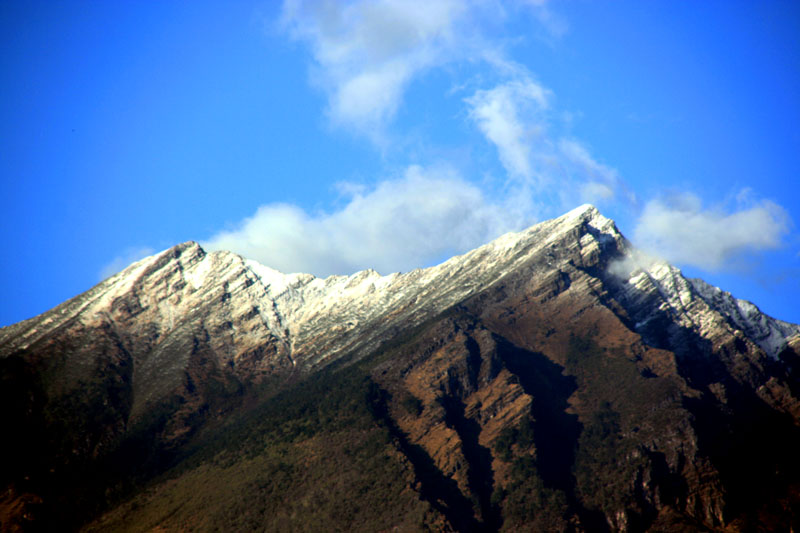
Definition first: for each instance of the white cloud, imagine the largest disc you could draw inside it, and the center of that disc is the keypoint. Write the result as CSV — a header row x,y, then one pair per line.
x,y
552,22
579,156
128,256
594,192
681,231
514,117
595,182
636,260
423,216
510,117
367,52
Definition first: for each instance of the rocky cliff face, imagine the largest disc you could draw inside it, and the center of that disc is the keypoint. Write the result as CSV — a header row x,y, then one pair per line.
x,y
553,379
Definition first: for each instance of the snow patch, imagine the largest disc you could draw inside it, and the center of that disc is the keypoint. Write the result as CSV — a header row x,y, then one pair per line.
x,y
769,333
197,275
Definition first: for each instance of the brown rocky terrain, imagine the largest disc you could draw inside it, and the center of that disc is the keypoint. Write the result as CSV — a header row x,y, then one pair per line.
x,y
553,380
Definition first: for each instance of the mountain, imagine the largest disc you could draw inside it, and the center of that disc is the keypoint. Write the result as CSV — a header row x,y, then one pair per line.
x,y
553,379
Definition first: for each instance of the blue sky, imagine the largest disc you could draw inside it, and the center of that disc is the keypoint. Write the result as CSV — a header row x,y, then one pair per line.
x,y
331,137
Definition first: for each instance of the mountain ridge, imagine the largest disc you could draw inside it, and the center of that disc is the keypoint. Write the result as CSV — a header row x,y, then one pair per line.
x,y
296,288
549,352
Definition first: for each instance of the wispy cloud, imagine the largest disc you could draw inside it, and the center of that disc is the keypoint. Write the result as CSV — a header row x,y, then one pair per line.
x,y
128,256
367,52
555,25
596,183
516,118
682,231
402,223
510,117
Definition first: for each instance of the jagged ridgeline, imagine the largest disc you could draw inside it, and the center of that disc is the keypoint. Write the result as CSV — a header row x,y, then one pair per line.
x,y
552,380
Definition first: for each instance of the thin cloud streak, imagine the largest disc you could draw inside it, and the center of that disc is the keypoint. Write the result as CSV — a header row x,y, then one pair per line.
x,y
366,53
515,117
509,116
128,256
596,183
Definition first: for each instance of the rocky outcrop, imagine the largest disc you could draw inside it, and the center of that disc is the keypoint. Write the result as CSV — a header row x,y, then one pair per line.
x,y
552,379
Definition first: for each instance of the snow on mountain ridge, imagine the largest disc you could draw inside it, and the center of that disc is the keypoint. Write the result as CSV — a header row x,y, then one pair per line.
x,y
311,319
695,304
770,333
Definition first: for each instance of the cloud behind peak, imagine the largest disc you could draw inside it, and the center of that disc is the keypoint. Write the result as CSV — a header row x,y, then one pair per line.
x,y
682,231
402,223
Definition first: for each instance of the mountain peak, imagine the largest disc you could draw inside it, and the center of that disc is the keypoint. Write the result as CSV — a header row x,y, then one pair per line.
x,y
585,210
298,310
587,213
538,328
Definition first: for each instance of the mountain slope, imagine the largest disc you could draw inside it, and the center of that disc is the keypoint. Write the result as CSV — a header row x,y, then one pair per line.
x,y
551,379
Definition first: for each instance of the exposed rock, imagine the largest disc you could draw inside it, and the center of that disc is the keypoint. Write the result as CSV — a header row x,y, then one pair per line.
x,y
552,379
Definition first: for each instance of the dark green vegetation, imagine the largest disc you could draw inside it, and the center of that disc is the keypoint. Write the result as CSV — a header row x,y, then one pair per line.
x,y
286,464
603,445
527,502
314,457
